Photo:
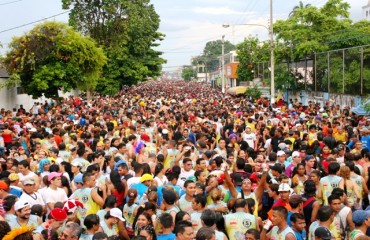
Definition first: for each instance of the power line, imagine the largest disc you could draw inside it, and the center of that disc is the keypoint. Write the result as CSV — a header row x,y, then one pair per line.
x,y
7,3
37,21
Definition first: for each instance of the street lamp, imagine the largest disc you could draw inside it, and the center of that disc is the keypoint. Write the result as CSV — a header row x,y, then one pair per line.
x,y
272,54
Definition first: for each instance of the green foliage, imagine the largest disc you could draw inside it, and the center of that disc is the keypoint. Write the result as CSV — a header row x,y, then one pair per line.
x,y
253,92
211,54
251,51
127,31
52,57
310,29
188,73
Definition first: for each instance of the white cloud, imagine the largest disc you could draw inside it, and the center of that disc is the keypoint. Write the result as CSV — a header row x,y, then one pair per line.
x,y
218,11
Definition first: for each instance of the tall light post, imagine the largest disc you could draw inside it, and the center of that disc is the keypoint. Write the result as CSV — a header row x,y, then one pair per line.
x,y
223,65
270,30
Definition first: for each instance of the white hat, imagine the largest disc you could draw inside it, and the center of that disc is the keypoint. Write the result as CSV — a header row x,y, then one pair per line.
x,y
282,145
21,204
76,164
296,154
280,153
116,212
284,187
33,130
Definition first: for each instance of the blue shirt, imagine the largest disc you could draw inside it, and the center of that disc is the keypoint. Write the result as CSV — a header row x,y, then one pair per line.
x,y
300,235
169,236
141,189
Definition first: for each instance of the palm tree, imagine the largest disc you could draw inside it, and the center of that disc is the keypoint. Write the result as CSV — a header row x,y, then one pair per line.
x,y
299,7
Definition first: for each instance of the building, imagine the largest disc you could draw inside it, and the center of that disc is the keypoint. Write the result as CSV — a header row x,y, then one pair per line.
x,y
231,65
202,74
14,97
366,11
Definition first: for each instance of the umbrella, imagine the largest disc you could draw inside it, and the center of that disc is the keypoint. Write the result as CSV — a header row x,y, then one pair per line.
x,y
237,90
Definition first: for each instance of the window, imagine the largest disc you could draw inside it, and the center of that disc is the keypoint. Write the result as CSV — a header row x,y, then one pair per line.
x,y
20,90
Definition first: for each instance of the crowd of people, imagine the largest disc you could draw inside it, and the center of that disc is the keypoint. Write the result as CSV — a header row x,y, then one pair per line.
x,y
180,160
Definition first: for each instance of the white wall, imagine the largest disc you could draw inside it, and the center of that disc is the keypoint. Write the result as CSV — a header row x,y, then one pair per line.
x,y
10,99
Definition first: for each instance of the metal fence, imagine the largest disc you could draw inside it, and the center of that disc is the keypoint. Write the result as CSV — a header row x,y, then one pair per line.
x,y
345,71
342,71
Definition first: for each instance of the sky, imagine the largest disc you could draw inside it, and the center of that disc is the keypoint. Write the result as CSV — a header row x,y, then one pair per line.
x,y
187,24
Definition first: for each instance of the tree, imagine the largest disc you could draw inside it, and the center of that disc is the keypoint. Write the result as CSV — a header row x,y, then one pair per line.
x,y
297,8
188,73
52,57
127,31
250,52
212,53
310,28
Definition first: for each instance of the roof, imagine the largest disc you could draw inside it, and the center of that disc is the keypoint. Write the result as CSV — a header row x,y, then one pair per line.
x,y
3,73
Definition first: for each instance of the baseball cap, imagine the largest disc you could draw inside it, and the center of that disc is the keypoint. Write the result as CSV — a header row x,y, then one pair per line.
x,y
323,233
277,167
296,154
284,187
169,196
21,204
164,131
146,177
282,145
78,178
76,164
20,148
192,178
13,177
238,179
116,212
58,214
33,130
54,150
53,175
28,181
360,216
280,153
296,199
4,186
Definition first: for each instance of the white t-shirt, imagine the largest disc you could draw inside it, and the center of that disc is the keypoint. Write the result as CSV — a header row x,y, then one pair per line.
x,y
249,138
32,199
184,175
132,181
53,196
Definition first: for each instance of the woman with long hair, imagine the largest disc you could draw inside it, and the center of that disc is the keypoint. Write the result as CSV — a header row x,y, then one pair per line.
x,y
182,216
66,186
148,232
350,188
130,210
149,208
159,175
116,188
143,219
66,169
315,177
299,177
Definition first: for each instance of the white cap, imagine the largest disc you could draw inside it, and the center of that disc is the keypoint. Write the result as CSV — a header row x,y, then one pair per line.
x,y
284,187
280,153
21,204
116,212
296,154
33,130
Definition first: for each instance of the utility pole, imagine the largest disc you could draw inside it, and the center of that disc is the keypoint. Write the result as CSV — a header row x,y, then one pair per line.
x,y
272,57
223,64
